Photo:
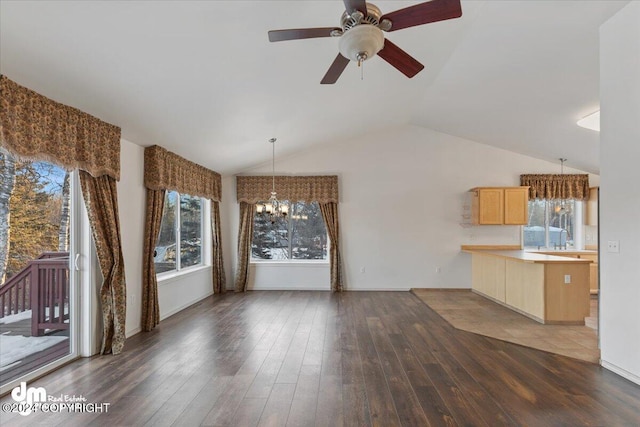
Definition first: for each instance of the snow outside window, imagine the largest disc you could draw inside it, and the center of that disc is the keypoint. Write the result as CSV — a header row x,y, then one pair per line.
x,y
301,236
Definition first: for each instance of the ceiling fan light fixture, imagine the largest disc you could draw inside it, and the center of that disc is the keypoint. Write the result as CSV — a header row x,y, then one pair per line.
x,y
361,42
592,121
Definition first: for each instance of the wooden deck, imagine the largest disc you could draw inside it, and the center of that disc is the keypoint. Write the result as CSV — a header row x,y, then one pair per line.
x,y
23,327
35,360
316,358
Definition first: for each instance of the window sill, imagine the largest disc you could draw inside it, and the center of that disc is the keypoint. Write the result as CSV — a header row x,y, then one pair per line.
x,y
173,275
289,263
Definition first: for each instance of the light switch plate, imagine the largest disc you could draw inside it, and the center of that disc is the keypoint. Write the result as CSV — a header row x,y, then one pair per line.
x,y
613,246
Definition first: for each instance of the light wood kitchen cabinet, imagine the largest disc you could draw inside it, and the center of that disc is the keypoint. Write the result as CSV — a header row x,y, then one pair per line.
x,y
500,205
592,207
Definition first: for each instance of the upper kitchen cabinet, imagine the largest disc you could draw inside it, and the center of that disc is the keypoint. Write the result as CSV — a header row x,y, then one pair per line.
x,y
592,207
500,205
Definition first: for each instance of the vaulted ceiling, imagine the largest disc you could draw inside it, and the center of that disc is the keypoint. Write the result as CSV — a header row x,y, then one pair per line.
x,y
201,78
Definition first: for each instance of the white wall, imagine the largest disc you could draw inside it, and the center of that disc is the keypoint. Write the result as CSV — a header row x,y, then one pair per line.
x,y
131,205
174,293
619,201
401,204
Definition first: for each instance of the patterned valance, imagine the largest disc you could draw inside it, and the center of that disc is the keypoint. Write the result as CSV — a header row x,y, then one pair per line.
x,y
37,128
164,170
322,189
553,186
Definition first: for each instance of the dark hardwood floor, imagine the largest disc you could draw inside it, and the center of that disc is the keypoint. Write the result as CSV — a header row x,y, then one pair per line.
x,y
316,358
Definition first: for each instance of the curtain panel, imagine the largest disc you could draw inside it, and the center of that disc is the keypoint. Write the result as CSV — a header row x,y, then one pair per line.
x,y
321,189
37,128
101,199
245,236
556,186
330,216
153,221
219,279
164,170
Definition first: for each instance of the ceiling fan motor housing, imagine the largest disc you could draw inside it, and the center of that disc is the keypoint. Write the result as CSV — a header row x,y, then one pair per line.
x,y
355,18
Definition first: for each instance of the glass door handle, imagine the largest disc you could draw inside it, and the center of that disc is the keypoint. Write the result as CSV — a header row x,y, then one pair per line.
x,y
75,262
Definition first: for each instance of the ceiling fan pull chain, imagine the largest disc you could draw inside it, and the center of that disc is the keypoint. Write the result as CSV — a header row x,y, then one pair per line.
x,y
362,72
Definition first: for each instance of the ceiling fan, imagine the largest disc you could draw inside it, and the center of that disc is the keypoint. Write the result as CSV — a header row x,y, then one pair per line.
x,y
361,36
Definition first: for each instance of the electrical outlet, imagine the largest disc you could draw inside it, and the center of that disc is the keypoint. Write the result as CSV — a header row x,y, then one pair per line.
x,y
438,270
567,278
613,246
362,270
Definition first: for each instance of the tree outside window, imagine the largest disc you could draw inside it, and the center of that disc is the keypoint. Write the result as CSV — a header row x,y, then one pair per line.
x,y
300,236
180,233
552,224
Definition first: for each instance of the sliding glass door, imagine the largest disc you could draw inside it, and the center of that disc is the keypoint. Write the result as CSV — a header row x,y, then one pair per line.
x,y
37,275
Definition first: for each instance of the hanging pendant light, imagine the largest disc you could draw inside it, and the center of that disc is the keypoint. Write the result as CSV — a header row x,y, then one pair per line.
x,y
273,207
562,210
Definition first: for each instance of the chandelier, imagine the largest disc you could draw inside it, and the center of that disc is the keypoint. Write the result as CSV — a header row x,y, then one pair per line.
x,y
273,207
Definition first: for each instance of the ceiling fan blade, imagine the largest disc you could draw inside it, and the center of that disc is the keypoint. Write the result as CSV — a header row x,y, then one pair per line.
x,y
300,33
336,69
351,5
424,13
400,59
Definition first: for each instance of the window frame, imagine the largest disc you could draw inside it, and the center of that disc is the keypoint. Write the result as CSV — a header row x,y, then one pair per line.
x,y
205,231
295,261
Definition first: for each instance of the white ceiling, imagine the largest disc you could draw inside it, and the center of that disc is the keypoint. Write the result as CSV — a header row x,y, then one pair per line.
x,y
201,78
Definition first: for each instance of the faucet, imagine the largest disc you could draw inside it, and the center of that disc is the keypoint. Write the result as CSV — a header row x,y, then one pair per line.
x,y
560,245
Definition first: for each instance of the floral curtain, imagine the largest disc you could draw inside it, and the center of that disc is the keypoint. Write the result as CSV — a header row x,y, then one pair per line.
x,y
37,128
164,170
101,198
153,221
322,189
556,186
330,216
219,279
245,236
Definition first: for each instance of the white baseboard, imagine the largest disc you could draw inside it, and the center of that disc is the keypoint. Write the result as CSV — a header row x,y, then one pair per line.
x,y
620,371
276,288
185,305
133,332
292,288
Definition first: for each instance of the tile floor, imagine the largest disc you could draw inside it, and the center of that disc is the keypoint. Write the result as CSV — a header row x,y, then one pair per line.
x,y
470,312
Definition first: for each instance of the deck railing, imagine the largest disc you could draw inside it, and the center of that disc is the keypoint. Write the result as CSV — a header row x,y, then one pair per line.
x,y
42,287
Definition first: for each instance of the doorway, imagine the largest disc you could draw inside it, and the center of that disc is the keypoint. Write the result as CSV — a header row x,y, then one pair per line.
x,y
38,269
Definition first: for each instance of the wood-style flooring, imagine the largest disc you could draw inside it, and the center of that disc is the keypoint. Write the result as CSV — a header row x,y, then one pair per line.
x,y
315,358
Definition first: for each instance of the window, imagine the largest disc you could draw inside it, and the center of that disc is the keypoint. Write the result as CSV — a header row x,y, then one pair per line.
x,y
180,233
553,224
301,236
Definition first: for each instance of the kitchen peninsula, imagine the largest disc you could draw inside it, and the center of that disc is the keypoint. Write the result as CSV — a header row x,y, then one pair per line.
x,y
550,289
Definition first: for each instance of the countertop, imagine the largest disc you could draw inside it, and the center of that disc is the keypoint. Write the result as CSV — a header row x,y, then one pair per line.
x,y
560,252
533,257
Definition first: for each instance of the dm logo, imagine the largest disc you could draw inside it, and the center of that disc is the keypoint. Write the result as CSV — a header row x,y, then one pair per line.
x,y
28,397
